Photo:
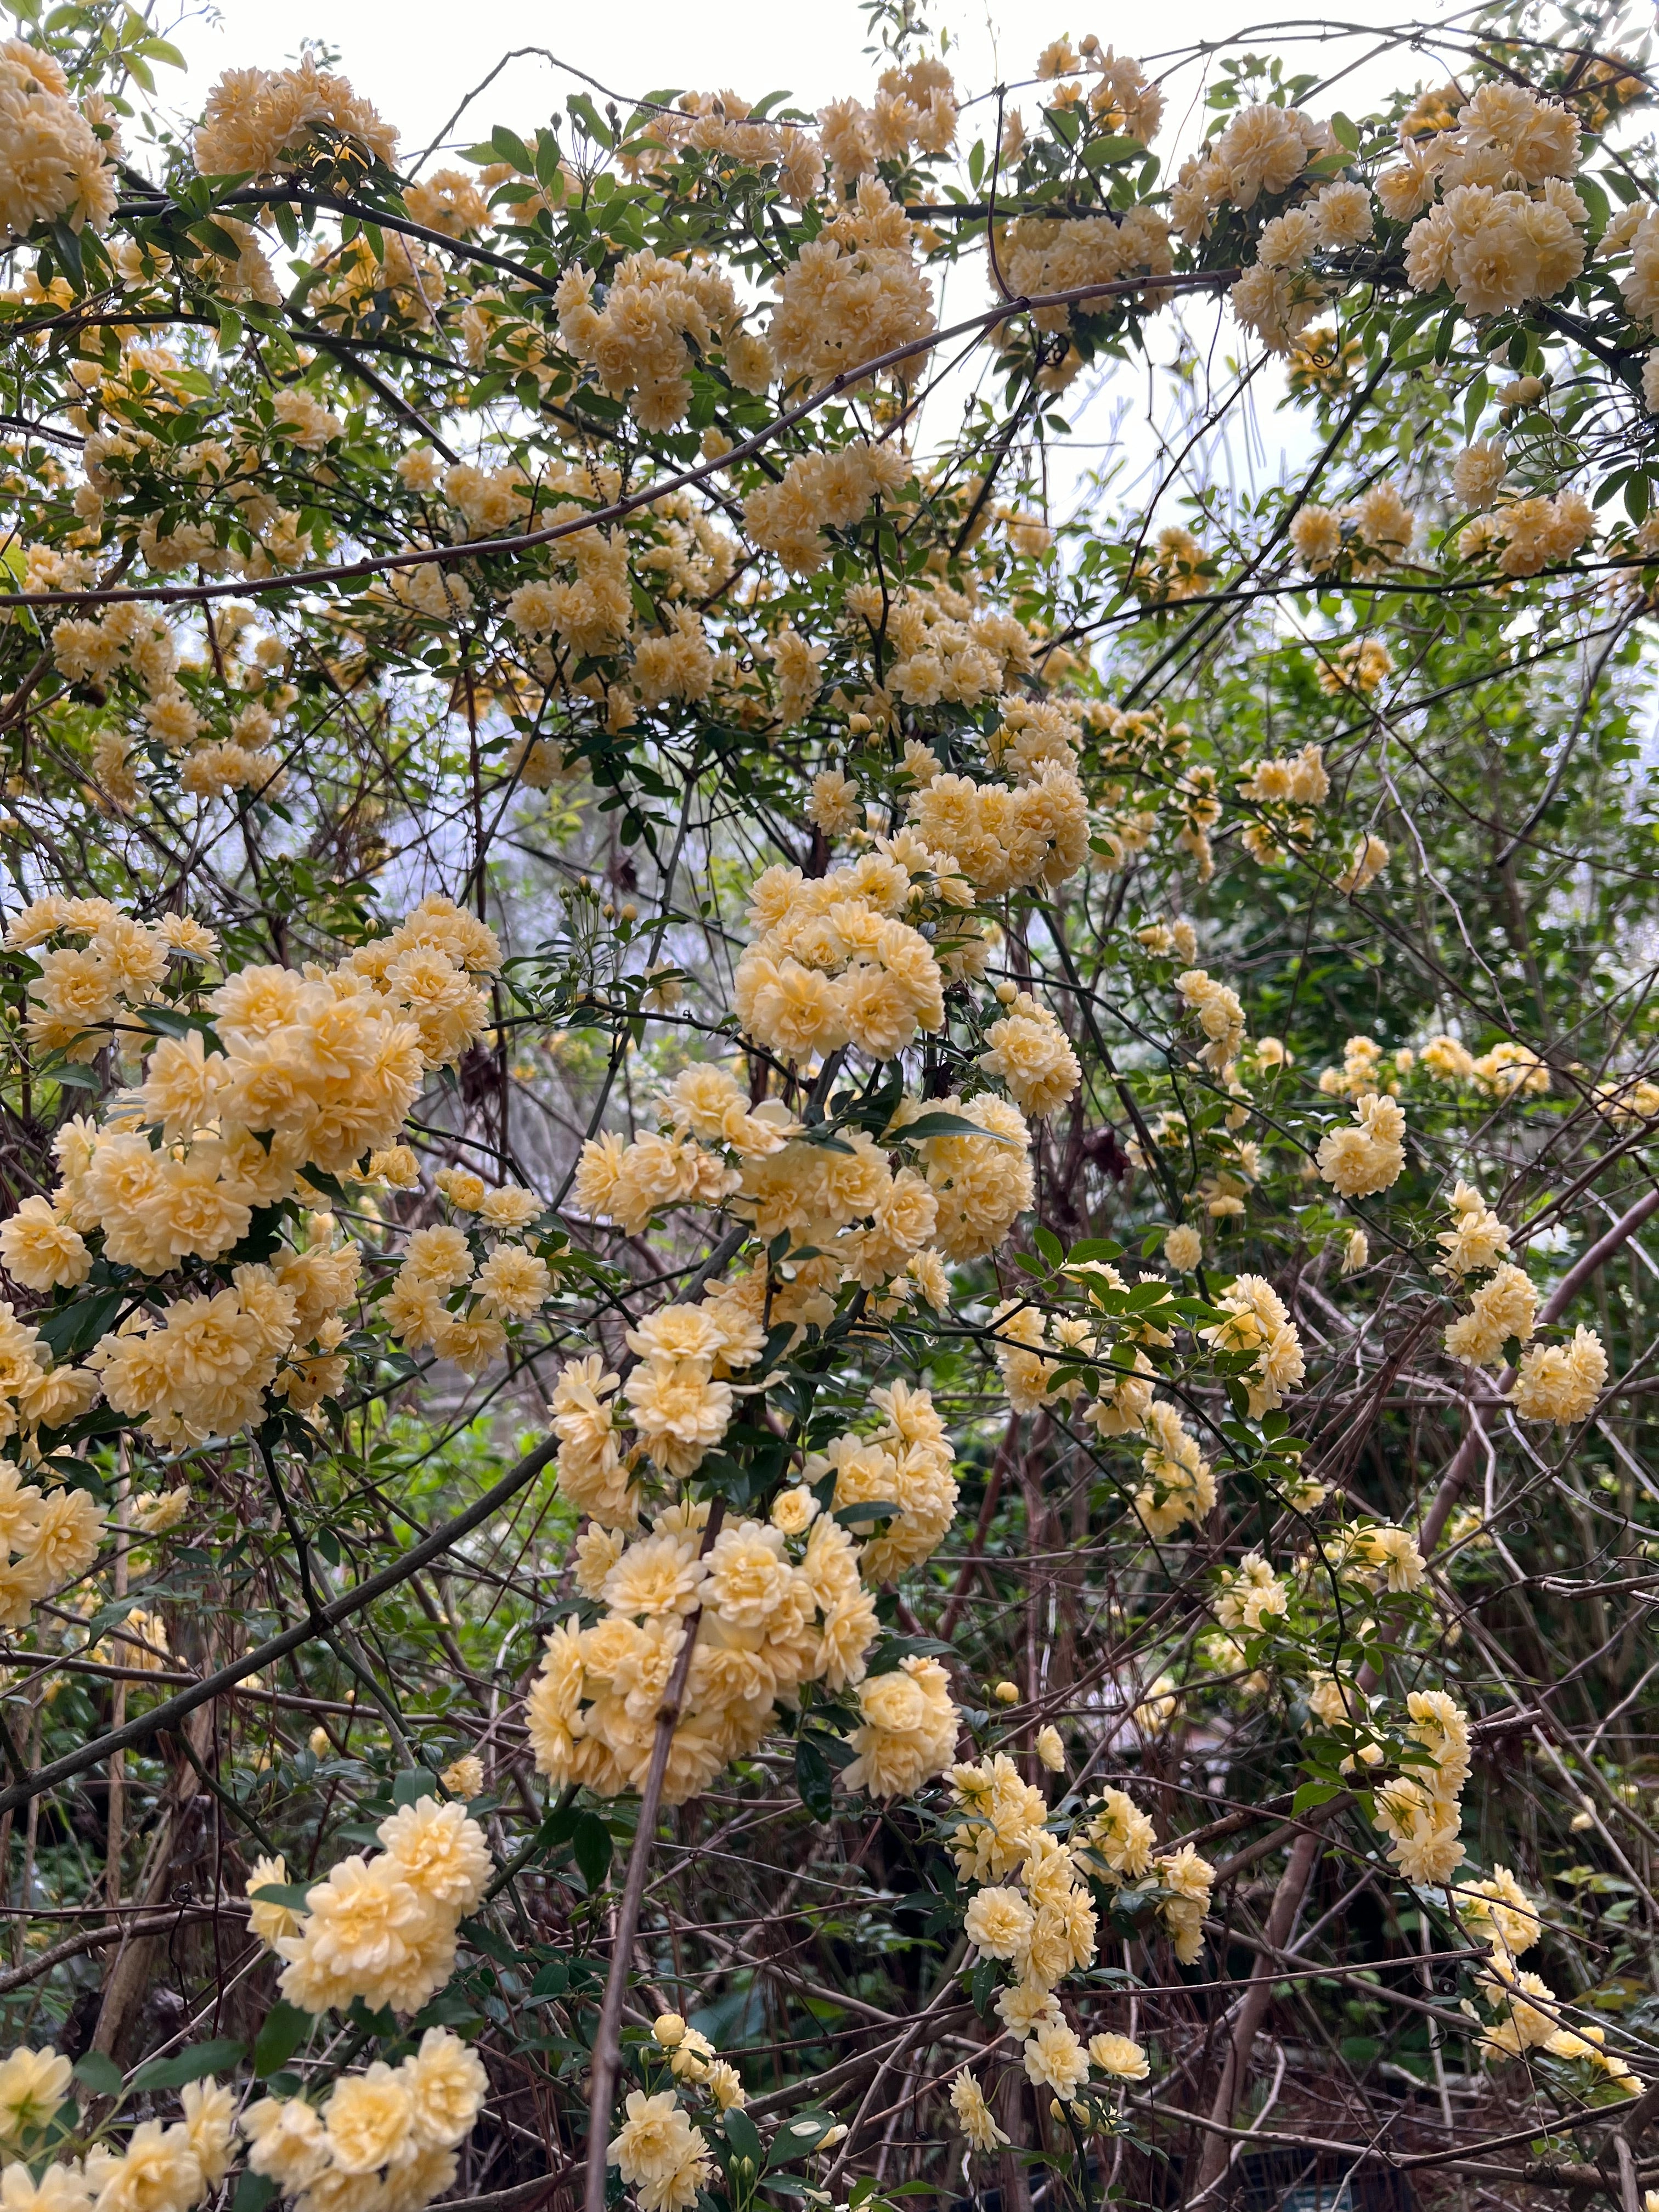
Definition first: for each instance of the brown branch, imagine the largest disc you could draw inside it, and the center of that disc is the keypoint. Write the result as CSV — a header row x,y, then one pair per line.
x,y
607,2044
170,1713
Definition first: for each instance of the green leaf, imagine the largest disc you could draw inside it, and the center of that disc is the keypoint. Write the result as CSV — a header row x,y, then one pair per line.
x,y
510,147
294,1896
72,1328
191,2065
285,2029
98,2074
582,108
1346,133
942,1125
253,2193
1049,1244
866,1510
1100,1248
797,2137
1311,1794
891,1654
591,1844
813,1779
743,2136
411,1785
547,163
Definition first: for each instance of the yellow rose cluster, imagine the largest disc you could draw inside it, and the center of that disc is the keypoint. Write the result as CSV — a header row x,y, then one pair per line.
x,y
1530,533
1373,533
1045,256
1362,1070
914,106
54,166
1507,1071
1561,1383
1377,1556
35,1393
1558,1384
1005,838
906,1464
1508,227
1367,1157
853,293
906,1730
1044,1928
1250,1596
1220,1015
1527,2015
1040,1923
941,645
982,1183
383,1928
657,315
1031,1057
81,990
446,1296
658,2151
205,1367
1419,1811
49,1541
692,2063
1119,1840
679,1399
1029,1347
592,613
157,2168
308,1070
1368,860
1179,1487
255,116
768,1611
383,2141
1279,789
820,492
835,965
1260,1322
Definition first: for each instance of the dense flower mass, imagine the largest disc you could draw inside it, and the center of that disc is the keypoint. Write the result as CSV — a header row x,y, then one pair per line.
x,y
53,164
775,1177
384,1928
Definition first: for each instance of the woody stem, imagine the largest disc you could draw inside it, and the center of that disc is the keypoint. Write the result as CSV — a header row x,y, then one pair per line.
x,y
607,2045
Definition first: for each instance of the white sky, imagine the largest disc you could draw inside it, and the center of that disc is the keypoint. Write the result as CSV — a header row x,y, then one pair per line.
x,y
415,58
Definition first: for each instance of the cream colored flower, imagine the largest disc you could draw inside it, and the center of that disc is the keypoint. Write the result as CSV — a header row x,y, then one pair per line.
x,y
1119,2056
369,2118
287,2142
1183,1247
368,1933
446,2086
439,1852
659,2153
974,2114
794,1510
1053,2056
270,1921
463,1777
33,2086
999,1923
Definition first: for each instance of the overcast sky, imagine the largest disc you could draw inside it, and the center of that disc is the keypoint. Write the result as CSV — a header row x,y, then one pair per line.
x,y
415,58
